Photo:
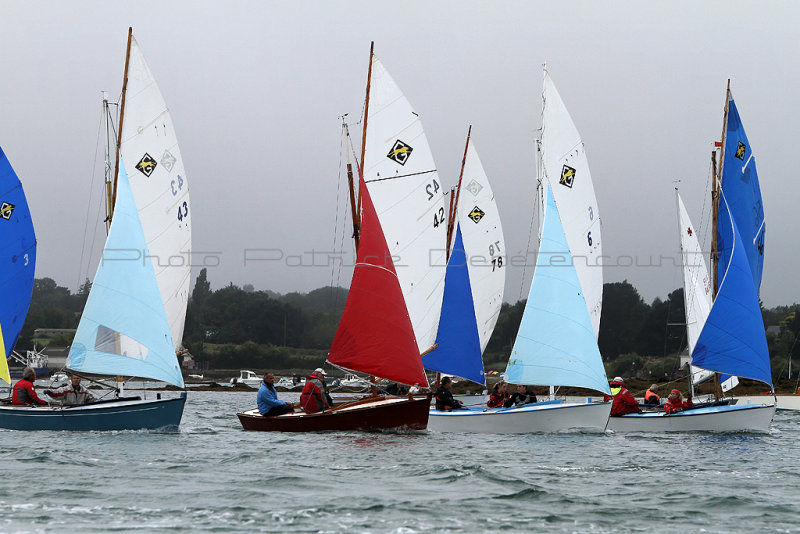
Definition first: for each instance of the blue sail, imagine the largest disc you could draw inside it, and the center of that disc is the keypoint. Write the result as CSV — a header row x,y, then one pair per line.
x,y
740,183
458,350
17,255
556,344
124,329
733,341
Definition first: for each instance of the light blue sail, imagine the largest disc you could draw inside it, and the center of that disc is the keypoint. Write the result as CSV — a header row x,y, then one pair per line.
x,y
17,255
556,344
124,329
733,340
740,183
458,350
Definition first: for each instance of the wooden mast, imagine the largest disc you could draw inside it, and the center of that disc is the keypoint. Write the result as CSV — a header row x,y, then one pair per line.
x,y
366,116
715,191
715,196
119,126
357,204
454,203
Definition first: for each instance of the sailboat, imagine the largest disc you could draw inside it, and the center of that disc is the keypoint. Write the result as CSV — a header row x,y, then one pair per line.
x,y
725,330
18,245
392,307
133,320
557,340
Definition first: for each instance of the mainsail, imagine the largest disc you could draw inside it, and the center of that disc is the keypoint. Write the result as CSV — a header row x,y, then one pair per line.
x,y
399,171
696,281
733,341
375,335
556,343
567,171
696,286
740,183
18,256
149,148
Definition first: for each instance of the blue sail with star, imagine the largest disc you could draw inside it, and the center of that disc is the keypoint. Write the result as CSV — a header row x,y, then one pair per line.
x,y
742,189
458,347
124,328
18,257
733,341
556,344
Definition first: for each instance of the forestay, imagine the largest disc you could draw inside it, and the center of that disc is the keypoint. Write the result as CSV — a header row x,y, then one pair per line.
x,y
18,259
402,179
150,150
567,171
742,189
123,329
556,344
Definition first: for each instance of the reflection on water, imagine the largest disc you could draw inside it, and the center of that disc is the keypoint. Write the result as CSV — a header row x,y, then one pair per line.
x,y
212,476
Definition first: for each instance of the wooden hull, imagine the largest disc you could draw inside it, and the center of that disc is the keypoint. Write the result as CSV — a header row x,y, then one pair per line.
x,y
730,418
111,415
372,413
541,417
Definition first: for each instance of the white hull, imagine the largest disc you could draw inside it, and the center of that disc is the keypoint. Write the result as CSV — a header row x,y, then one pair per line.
x,y
786,401
730,418
542,417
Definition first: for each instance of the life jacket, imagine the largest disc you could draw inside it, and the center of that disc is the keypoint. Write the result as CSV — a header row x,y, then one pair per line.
x,y
651,398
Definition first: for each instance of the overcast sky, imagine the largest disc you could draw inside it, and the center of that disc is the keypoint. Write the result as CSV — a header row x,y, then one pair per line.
x,y
256,89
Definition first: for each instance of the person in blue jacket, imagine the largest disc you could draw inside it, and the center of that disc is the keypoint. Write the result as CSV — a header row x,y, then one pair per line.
x,y
268,403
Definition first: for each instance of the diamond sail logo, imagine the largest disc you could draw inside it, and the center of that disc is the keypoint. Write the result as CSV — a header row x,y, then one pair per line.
x,y
474,187
168,161
6,210
740,150
400,152
146,165
567,176
476,214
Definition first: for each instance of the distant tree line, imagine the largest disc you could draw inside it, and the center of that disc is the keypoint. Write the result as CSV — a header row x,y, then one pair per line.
x,y
236,327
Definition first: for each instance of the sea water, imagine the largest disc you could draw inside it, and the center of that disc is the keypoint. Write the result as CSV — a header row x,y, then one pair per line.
x,y
211,476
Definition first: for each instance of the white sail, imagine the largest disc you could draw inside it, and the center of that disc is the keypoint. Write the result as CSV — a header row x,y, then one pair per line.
x,y
150,151
409,199
567,172
696,281
483,241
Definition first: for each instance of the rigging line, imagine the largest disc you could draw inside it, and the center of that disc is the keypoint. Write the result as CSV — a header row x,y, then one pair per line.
x,y
336,220
399,176
534,215
89,204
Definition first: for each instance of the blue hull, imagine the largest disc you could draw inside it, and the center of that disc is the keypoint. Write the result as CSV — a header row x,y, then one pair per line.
x,y
115,415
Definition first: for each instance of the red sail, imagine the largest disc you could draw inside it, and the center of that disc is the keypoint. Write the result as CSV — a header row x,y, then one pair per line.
x,y
375,335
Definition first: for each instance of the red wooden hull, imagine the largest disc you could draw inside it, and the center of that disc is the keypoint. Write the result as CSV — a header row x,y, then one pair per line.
x,y
372,413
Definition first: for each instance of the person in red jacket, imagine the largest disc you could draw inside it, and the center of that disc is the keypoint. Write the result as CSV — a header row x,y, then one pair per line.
x,y
623,400
675,402
498,396
314,397
24,394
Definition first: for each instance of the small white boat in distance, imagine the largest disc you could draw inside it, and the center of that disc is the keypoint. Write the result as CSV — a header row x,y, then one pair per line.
x,y
286,382
248,378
